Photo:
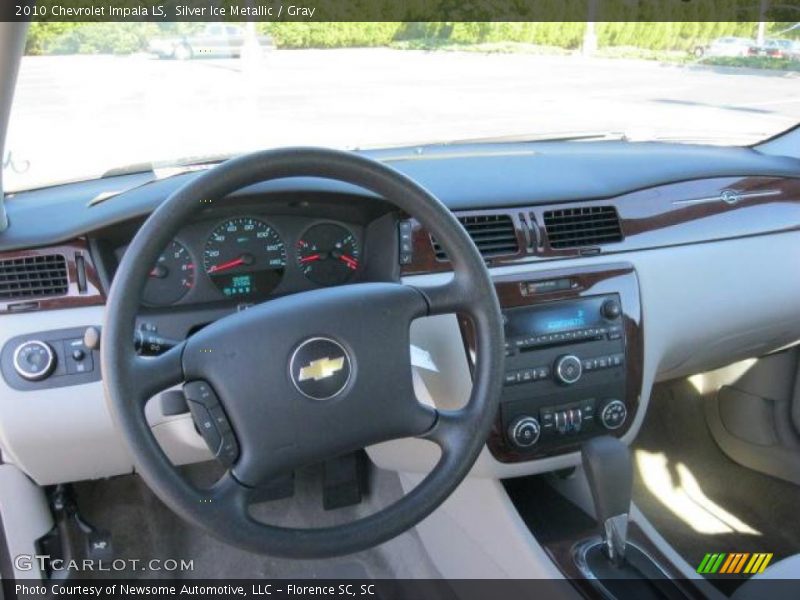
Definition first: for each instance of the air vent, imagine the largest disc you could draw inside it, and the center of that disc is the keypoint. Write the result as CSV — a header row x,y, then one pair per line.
x,y
33,277
584,226
494,235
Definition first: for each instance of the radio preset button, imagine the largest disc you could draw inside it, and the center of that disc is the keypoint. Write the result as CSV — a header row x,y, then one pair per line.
x,y
603,362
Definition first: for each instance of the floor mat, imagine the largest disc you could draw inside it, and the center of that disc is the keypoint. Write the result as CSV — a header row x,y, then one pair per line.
x,y
699,499
144,528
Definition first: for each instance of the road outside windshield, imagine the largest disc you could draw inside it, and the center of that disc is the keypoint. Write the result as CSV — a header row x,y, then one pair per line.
x,y
94,97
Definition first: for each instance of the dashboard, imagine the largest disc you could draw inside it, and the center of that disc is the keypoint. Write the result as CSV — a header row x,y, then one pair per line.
x,y
692,243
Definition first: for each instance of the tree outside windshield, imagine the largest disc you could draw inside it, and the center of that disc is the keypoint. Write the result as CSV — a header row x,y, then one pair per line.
x,y
94,97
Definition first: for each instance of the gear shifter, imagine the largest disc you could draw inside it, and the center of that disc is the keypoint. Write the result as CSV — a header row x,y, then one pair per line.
x,y
607,462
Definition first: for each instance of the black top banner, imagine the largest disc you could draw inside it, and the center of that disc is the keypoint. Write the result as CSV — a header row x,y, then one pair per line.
x,y
399,10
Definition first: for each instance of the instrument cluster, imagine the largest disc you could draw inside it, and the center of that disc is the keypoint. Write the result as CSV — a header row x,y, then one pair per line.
x,y
249,257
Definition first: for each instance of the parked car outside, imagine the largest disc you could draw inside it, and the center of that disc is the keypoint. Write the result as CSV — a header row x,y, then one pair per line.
x,y
725,46
215,40
776,48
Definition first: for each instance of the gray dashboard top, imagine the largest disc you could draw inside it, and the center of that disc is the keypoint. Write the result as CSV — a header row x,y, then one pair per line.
x,y
464,177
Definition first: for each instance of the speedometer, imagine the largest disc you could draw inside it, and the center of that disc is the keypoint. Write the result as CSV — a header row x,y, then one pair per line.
x,y
244,257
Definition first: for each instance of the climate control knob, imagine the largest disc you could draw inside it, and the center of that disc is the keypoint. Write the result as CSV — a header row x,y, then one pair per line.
x,y
524,431
568,369
613,414
34,360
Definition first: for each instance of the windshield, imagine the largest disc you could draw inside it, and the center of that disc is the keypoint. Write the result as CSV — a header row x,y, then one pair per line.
x,y
92,98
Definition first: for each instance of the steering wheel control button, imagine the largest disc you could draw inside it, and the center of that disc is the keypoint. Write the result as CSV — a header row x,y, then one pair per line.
x,y
34,360
220,420
228,450
206,427
613,414
524,432
320,368
211,421
201,393
568,369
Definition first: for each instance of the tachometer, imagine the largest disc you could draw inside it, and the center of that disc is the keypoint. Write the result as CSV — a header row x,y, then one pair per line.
x,y
328,254
244,257
171,277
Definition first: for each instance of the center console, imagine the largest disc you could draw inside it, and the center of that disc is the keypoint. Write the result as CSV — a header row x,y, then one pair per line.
x,y
573,344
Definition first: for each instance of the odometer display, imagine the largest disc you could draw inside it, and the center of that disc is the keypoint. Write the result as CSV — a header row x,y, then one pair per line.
x,y
244,257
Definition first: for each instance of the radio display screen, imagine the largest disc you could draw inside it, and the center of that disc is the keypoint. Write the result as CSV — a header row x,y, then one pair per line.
x,y
559,317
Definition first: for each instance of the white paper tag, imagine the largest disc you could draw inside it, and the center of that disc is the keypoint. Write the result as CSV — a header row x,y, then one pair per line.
x,y
422,359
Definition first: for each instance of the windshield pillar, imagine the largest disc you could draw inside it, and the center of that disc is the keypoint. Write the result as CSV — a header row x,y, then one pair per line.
x,y
12,45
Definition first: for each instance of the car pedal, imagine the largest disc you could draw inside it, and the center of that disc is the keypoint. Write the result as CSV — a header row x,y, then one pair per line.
x,y
72,537
344,480
98,542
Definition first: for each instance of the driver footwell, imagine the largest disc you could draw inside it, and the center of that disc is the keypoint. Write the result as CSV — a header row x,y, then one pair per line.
x,y
143,528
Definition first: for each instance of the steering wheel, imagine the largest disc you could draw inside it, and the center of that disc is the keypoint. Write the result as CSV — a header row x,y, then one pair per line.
x,y
305,377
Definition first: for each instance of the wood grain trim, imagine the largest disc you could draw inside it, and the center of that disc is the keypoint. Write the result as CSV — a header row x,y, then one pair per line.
x,y
92,295
668,215
591,281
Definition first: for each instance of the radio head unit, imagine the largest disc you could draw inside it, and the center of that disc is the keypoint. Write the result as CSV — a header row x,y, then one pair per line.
x,y
565,376
574,357
562,322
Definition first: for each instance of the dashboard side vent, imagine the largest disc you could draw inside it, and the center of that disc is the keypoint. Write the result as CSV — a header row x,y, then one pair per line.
x,y
582,226
494,235
33,277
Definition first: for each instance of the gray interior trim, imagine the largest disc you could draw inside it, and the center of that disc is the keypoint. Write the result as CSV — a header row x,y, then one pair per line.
x,y
26,516
749,414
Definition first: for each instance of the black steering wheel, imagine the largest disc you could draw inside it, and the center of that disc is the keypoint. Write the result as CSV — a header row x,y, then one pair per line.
x,y
306,377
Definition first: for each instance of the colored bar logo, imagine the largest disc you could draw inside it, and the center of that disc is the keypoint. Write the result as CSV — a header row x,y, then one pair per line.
x,y
734,563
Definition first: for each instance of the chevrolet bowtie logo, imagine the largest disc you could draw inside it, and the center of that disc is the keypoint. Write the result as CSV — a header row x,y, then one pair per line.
x,y
321,368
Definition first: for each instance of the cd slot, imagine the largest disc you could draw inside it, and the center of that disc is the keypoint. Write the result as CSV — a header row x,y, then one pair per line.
x,y
546,345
